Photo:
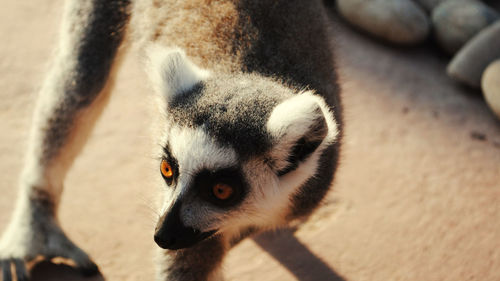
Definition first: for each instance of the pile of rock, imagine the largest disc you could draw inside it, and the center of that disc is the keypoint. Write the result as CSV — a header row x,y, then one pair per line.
x,y
468,30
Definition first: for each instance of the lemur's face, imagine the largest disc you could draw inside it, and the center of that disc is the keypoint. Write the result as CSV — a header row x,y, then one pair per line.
x,y
234,150
205,187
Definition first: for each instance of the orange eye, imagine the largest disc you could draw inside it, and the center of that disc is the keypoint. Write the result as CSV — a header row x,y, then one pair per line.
x,y
222,191
166,169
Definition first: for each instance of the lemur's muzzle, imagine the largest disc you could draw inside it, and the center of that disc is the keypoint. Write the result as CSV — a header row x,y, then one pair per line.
x,y
172,234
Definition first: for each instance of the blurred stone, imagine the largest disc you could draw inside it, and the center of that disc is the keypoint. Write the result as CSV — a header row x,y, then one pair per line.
x,y
490,83
429,5
456,21
495,4
470,62
397,21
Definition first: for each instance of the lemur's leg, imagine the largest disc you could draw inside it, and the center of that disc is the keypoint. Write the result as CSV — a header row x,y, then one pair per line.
x,y
70,100
202,262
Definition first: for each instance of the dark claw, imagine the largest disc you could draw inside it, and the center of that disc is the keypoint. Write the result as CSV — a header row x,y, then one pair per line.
x,y
7,274
21,273
88,270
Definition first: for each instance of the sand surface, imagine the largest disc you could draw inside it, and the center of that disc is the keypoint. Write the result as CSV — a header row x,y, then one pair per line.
x,y
417,195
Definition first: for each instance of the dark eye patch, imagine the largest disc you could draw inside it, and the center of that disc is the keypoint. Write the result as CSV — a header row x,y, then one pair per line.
x,y
173,164
206,179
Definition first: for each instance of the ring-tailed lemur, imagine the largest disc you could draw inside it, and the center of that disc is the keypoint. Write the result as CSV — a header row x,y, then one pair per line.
x,y
250,123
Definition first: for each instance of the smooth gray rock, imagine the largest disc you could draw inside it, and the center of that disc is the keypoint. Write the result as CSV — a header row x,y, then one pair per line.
x,y
470,62
397,21
490,83
495,4
456,21
429,5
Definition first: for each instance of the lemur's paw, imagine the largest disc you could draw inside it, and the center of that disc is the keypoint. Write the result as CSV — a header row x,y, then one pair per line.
x,y
43,239
6,266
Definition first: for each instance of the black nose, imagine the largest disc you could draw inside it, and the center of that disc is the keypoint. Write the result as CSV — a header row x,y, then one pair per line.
x,y
179,237
164,242
172,234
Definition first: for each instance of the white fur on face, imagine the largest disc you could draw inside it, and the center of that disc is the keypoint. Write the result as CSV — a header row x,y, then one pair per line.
x,y
269,198
267,204
194,151
171,72
268,201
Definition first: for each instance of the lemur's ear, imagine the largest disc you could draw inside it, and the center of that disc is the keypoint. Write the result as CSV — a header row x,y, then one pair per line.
x,y
299,126
171,72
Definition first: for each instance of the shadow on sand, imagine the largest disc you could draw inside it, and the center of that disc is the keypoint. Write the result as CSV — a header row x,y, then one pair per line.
x,y
295,256
47,271
281,245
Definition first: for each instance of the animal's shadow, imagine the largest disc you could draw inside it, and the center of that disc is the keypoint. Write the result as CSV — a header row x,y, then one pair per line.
x,y
47,271
283,246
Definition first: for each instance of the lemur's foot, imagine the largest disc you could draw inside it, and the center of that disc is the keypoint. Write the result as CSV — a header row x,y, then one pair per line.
x,y
27,239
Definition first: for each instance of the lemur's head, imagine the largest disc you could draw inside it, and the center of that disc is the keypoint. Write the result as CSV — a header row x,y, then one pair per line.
x,y
235,148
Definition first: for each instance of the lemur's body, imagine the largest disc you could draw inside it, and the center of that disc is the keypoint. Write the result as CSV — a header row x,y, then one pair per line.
x,y
250,144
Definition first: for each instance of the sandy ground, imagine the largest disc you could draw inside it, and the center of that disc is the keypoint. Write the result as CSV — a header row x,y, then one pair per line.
x,y
417,195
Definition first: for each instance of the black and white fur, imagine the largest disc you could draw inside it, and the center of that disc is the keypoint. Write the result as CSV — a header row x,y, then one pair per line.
x,y
247,96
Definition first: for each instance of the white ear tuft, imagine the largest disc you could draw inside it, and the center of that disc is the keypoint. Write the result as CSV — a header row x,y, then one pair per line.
x,y
171,72
299,126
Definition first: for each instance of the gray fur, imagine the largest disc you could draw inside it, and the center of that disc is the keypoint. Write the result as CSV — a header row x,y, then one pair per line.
x,y
95,47
233,109
314,190
300,56
90,36
195,263
260,55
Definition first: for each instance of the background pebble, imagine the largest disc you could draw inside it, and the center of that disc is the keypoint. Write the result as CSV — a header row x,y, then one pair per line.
x,y
457,21
429,5
397,21
470,62
490,84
